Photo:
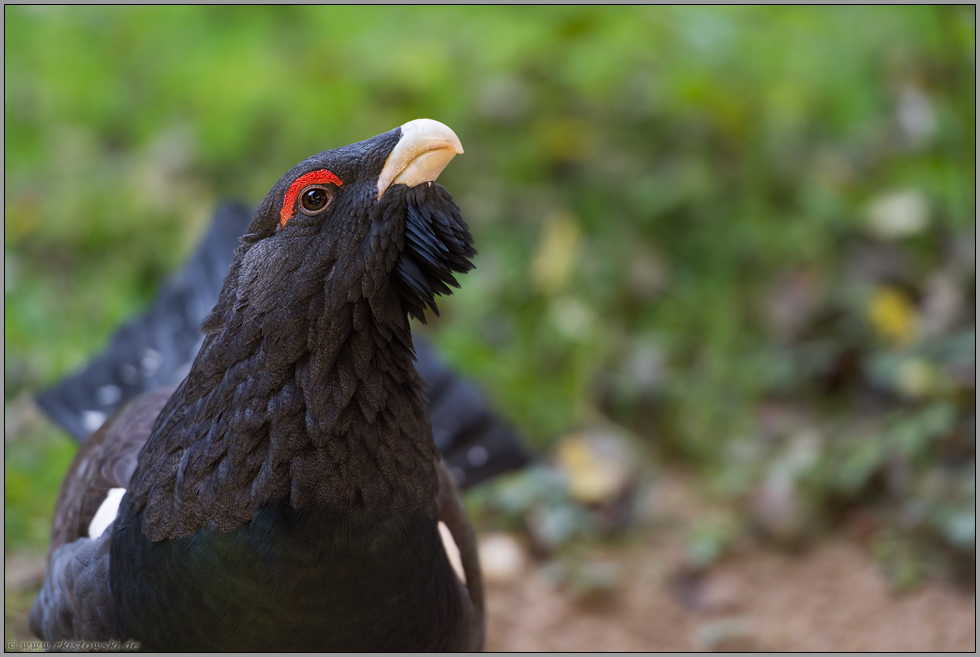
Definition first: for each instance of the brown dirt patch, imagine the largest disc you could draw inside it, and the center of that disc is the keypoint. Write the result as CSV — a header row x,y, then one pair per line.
x,y
832,599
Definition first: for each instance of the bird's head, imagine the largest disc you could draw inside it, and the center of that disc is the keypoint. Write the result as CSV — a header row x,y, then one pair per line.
x,y
357,222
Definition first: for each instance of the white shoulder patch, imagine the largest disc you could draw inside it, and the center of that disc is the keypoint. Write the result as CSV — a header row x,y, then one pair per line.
x,y
107,512
452,551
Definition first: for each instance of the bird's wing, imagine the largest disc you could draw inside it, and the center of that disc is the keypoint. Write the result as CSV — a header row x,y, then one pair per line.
x,y
453,514
103,463
75,601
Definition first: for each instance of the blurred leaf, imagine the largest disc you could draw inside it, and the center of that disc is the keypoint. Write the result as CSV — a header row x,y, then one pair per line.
x,y
961,529
900,214
557,253
893,316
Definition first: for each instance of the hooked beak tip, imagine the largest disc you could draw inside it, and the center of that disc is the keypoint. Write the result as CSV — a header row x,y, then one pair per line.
x,y
422,152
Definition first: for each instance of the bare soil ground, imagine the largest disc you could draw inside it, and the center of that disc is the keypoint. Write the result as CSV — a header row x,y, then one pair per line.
x,y
831,599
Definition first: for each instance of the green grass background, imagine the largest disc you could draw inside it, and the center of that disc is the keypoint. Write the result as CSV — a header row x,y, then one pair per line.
x,y
648,188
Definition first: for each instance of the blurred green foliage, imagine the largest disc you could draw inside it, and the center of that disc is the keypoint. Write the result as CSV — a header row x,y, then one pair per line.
x,y
744,233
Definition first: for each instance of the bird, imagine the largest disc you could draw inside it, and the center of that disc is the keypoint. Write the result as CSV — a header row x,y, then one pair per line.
x,y
155,350
287,493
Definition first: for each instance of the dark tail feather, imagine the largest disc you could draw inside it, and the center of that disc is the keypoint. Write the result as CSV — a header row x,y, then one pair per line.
x,y
157,348
476,442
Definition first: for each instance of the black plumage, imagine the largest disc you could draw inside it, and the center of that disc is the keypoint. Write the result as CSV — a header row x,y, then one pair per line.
x,y
155,350
287,494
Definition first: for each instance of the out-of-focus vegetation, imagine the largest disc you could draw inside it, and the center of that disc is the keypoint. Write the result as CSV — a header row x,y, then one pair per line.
x,y
744,234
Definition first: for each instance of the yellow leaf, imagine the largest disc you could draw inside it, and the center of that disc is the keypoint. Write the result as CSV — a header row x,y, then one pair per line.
x,y
557,253
596,470
893,316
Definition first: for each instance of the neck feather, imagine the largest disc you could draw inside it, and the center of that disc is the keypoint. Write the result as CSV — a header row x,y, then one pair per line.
x,y
323,408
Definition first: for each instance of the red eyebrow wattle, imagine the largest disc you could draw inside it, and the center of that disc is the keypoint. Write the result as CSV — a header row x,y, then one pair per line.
x,y
321,177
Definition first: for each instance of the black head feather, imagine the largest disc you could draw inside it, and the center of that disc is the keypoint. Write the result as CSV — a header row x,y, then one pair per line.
x,y
305,387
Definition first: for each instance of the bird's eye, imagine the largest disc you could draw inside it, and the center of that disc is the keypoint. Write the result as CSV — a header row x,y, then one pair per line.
x,y
310,194
314,199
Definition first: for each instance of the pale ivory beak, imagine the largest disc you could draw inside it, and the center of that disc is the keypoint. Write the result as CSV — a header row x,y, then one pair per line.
x,y
424,150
